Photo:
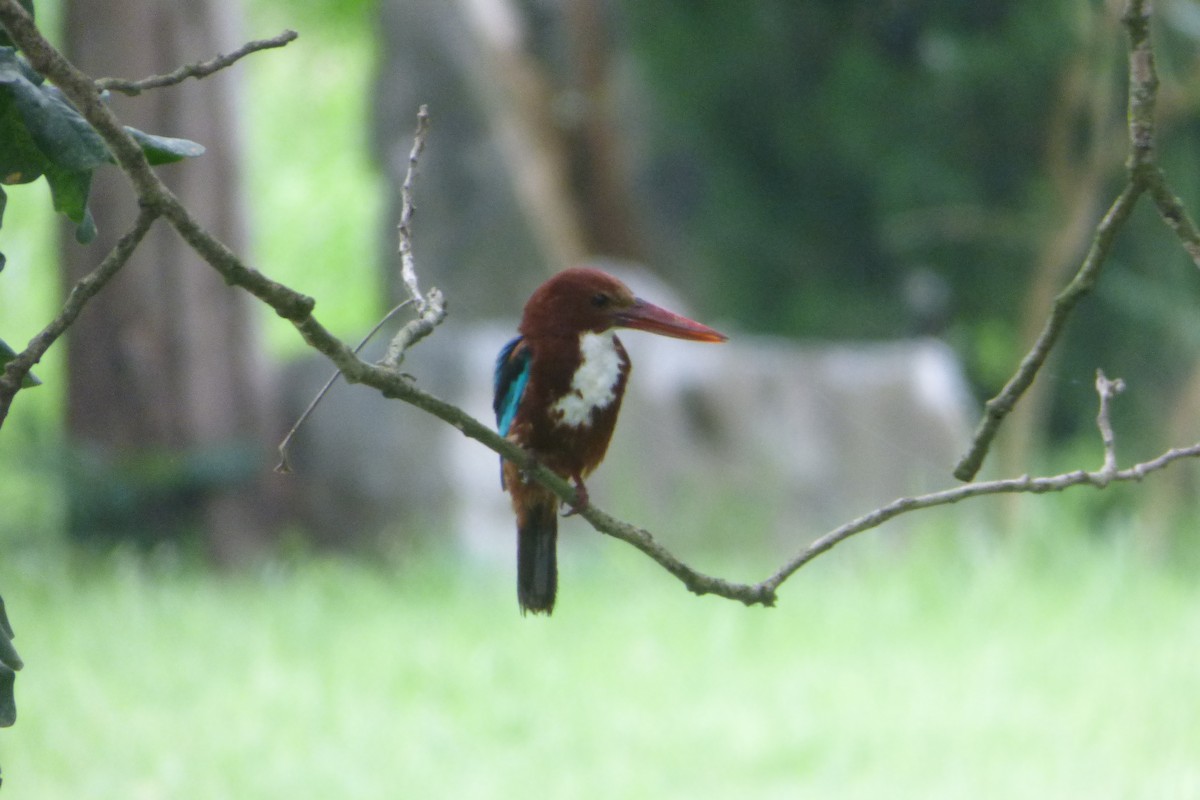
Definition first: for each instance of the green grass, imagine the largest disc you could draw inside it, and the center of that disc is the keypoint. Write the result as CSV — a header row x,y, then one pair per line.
x,y
938,671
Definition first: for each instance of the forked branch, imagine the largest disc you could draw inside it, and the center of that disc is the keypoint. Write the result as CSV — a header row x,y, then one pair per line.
x,y
1142,176
156,200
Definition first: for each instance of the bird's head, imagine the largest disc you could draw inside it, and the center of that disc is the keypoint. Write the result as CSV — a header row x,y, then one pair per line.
x,y
585,299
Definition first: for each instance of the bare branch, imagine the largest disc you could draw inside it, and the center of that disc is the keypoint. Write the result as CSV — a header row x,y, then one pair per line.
x,y
1143,100
284,466
431,308
408,270
200,70
81,293
1174,214
156,200
1107,390
1143,175
433,311
1143,85
1022,485
996,409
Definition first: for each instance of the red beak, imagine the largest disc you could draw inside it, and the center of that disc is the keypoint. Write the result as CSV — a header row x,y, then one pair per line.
x,y
645,316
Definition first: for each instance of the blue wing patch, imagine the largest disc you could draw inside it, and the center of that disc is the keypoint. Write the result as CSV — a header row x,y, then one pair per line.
x,y
511,377
512,374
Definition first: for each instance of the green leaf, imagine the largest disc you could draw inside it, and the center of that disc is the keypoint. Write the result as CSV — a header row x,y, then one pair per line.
x,y
7,354
8,702
10,59
69,191
20,159
58,130
164,149
41,133
10,662
86,230
8,654
5,625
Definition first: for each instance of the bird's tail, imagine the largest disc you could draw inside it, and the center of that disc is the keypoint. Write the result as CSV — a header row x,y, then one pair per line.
x,y
537,560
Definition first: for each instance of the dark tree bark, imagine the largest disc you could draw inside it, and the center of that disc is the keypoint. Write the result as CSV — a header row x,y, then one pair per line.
x,y
168,395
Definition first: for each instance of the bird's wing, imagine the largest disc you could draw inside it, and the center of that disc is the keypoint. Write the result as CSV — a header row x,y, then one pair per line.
x,y
512,374
511,377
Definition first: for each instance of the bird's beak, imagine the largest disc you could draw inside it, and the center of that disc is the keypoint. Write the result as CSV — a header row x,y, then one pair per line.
x,y
645,316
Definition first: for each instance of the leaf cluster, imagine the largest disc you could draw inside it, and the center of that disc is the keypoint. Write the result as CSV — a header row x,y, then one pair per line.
x,y
42,135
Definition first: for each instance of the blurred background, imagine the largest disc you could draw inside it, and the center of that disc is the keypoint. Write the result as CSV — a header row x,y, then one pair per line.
x,y
878,201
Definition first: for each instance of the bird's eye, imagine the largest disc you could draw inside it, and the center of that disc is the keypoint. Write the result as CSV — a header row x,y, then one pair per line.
x,y
600,300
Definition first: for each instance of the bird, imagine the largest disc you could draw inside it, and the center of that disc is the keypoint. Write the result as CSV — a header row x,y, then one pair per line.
x,y
557,391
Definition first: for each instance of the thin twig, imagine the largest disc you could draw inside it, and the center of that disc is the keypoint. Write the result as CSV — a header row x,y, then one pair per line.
x,y
1175,215
284,466
1022,485
996,409
408,269
83,291
297,308
1143,89
1143,175
200,70
431,308
1107,390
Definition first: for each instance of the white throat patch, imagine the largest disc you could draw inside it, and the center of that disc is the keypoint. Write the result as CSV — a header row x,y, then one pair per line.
x,y
594,384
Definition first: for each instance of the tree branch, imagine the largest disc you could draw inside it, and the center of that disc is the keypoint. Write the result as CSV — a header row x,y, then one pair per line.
x,y
1022,485
1174,214
431,308
156,200
284,466
81,293
996,409
1107,390
199,70
1143,175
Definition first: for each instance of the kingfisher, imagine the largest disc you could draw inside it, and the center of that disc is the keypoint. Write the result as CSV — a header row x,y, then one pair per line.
x,y
557,391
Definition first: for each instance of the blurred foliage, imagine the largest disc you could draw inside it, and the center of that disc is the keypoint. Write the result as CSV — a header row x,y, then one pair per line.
x,y
873,170
325,17
816,127
848,170
320,198
151,496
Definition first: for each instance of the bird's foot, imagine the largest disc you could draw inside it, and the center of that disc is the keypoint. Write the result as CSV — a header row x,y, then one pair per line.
x,y
581,499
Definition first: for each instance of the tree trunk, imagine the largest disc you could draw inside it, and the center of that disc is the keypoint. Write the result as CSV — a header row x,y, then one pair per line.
x,y
527,170
168,393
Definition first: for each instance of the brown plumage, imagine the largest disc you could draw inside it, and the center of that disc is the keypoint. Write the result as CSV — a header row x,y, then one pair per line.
x,y
558,391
